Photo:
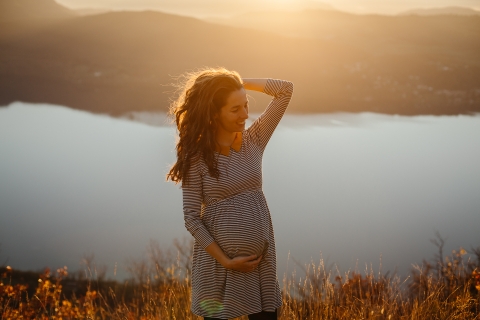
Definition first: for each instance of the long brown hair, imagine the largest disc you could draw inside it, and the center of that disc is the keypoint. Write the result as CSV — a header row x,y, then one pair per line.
x,y
202,94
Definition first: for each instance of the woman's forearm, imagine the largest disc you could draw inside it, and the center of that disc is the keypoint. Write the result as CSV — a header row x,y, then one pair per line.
x,y
216,252
242,264
255,84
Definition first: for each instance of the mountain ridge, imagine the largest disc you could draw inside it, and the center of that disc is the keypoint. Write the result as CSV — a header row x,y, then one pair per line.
x,y
118,62
452,10
12,10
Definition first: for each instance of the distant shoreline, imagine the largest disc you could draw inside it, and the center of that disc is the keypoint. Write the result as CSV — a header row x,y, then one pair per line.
x,y
119,62
138,115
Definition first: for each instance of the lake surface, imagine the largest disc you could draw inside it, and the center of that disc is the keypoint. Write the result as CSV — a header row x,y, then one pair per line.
x,y
348,187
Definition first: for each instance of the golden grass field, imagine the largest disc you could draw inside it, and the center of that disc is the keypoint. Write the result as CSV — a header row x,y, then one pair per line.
x,y
447,288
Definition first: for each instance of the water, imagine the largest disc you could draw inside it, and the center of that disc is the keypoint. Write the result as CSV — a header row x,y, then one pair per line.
x,y
348,187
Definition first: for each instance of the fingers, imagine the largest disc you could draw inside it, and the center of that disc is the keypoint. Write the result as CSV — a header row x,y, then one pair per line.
x,y
248,263
257,262
254,263
251,258
254,257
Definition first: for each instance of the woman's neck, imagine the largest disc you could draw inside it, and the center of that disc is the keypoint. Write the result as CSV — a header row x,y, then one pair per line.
x,y
225,139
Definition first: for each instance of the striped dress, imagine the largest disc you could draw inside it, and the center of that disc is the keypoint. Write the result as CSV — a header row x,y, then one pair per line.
x,y
233,212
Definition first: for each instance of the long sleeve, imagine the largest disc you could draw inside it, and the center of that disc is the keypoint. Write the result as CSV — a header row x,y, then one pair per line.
x,y
262,129
192,206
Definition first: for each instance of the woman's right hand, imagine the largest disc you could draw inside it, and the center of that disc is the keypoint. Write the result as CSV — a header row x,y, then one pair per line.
x,y
243,264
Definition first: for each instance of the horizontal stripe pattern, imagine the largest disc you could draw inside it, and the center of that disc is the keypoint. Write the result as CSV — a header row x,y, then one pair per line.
x,y
232,210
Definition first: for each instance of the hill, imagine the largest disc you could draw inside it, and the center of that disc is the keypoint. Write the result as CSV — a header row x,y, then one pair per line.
x,y
374,33
443,11
118,62
25,10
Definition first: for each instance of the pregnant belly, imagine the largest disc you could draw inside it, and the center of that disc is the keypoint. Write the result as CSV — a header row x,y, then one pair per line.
x,y
240,225
241,235
235,245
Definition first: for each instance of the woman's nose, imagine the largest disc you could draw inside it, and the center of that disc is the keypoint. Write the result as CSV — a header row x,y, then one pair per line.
x,y
244,114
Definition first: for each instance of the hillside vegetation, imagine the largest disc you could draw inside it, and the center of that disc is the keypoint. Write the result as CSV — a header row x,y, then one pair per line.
x,y
160,288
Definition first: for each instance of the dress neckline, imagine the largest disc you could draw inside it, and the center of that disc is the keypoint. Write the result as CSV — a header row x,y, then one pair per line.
x,y
236,145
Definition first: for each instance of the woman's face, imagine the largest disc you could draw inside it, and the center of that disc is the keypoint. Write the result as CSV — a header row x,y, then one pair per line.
x,y
233,114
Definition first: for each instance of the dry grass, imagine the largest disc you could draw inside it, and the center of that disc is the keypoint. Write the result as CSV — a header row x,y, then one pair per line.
x,y
447,288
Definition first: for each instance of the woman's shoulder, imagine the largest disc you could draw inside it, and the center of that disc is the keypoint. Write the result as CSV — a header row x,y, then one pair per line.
x,y
198,164
250,138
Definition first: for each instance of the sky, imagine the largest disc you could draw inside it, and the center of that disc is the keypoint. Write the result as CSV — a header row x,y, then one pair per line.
x,y
229,7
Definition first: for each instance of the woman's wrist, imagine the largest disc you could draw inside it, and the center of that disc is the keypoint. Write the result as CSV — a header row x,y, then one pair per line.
x,y
255,84
217,253
226,263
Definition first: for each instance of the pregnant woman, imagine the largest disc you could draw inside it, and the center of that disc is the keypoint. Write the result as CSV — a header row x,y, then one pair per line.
x,y
219,164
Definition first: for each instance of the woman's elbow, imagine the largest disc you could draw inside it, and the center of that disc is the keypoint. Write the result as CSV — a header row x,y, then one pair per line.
x,y
288,88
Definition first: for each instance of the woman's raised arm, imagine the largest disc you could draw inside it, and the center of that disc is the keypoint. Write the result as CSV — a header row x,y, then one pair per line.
x,y
262,129
255,84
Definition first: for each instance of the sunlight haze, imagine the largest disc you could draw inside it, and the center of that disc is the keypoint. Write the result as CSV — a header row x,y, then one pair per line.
x,y
229,7
371,176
